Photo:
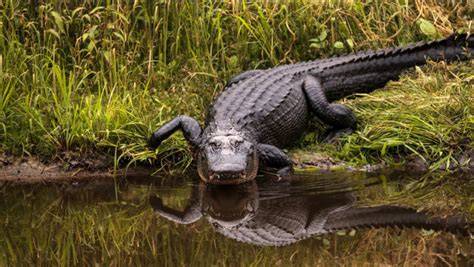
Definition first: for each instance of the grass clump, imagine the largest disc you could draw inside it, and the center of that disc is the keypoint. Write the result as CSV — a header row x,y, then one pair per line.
x,y
427,114
88,77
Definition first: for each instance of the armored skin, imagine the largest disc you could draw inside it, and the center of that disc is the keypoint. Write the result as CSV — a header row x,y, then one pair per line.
x,y
261,111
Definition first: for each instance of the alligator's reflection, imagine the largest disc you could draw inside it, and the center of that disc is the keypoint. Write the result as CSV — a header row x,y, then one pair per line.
x,y
275,216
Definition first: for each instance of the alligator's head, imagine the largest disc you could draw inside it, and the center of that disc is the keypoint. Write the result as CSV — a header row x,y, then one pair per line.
x,y
227,156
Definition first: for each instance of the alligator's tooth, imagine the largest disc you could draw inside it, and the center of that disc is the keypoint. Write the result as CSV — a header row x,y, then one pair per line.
x,y
250,206
211,177
218,176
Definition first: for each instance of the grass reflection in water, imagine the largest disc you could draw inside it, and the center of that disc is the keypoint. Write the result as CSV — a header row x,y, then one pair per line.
x,y
112,223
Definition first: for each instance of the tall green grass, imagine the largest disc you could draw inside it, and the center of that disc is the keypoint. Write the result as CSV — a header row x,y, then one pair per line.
x,y
428,115
88,77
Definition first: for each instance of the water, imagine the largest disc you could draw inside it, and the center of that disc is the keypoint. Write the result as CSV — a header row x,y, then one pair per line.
x,y
318,218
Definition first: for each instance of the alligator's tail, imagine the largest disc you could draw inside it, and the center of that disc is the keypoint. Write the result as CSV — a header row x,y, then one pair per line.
x,y
392,216
364,72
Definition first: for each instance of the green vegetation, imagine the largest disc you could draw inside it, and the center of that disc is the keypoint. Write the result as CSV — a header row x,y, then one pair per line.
x,y
427,114
97,77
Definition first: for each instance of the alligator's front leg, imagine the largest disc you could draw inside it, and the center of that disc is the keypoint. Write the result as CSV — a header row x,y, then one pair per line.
x,y
191,214
273,157
189,126
339,117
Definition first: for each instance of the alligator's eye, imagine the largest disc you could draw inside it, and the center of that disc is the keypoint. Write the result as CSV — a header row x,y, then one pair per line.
x,y
251,149
236,143
214,145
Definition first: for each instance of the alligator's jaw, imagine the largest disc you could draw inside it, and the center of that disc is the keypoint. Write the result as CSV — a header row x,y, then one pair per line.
x,y
228,173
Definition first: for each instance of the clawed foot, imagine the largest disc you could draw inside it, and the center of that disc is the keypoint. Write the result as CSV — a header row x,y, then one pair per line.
x,y
153,142
331,136
156,202
281,173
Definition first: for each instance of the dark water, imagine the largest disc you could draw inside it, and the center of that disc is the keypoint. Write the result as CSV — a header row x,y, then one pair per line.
x,y
325,219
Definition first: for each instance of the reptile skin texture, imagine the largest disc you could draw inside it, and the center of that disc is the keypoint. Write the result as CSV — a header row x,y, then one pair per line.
x,y
273,105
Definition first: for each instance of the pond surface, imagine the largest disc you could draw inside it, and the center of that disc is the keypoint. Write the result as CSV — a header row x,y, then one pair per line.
x,y
311,218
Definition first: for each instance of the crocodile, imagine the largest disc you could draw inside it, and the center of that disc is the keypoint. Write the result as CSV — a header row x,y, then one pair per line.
x,y
261,111
273,216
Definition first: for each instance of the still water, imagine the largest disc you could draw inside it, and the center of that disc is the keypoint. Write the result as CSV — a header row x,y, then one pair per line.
x,y
311,218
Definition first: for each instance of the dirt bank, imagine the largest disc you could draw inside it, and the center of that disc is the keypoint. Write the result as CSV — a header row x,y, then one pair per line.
x,y
15,169
32,170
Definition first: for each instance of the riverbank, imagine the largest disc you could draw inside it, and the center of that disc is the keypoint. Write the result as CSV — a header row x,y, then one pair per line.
x,y
33,170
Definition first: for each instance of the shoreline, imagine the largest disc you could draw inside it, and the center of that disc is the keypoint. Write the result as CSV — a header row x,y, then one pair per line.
x,y
32,170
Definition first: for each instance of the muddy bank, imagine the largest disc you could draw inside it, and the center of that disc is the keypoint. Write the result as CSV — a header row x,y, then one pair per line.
x,y
77,168
33,170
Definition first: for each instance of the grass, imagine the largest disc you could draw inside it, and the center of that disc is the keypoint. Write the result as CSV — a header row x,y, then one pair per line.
x,y
97,77
428,115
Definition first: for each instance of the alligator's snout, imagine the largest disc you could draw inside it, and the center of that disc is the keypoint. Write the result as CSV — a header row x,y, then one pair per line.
x,y
227,159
